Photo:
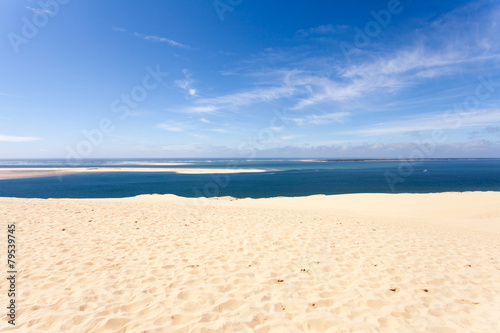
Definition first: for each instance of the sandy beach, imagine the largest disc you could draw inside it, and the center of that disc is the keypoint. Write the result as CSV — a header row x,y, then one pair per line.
x,y
18,173
345,263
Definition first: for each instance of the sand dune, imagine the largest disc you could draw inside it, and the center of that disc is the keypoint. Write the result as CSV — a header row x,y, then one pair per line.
x,y
161,263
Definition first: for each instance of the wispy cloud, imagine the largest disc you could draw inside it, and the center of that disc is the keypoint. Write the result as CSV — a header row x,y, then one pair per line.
x,y
172,126
339,117
253,96
9,138
443,49
418,62
436,121
389,74
207,109
161,40
386,74
303,88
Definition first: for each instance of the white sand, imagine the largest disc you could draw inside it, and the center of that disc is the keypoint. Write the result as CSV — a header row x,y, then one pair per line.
x,y
17,173
161,263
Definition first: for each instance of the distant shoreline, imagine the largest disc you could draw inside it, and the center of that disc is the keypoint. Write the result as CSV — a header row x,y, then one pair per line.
x,y
395,159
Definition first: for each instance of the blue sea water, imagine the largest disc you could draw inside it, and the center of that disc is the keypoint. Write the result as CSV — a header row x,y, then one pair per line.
x,y
285,177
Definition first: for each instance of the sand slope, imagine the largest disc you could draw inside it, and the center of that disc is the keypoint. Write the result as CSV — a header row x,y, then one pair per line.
x,y
160,263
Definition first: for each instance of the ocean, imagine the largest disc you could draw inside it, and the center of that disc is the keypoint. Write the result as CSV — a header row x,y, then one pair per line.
x,y
284,177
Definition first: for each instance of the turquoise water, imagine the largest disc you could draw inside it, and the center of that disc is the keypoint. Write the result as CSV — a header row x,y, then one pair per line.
x,y
285,177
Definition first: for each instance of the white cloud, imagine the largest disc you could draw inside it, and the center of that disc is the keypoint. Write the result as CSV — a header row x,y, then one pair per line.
x,y
445,47
405,61
387,73
206,121
9,138
172,126
209,109
161,40
437,121
253,96
313,119
308,88
322,90
299,86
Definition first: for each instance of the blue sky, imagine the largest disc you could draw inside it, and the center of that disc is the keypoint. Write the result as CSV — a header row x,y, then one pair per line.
x,y
249,78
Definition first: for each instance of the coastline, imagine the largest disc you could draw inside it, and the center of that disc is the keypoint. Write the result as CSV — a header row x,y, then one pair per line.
x,y
398,159
386,262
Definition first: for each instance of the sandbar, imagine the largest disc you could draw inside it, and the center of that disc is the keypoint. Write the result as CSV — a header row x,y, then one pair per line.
x,y
18,173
